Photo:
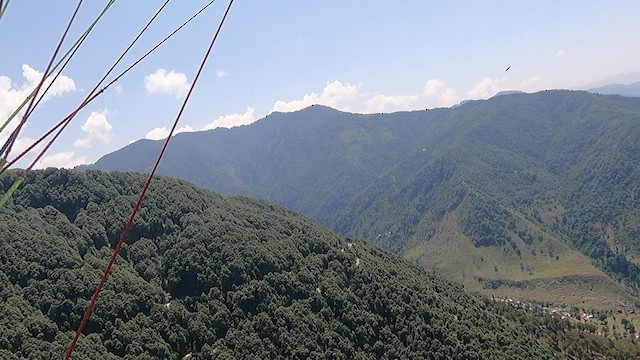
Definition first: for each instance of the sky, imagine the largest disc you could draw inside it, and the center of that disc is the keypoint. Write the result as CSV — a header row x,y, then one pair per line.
x,y
284,55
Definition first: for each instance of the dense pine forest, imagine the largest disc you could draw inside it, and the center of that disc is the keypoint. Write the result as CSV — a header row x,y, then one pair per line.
x,y
219,278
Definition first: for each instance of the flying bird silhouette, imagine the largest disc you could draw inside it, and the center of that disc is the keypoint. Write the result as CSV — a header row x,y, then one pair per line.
x,y
508,68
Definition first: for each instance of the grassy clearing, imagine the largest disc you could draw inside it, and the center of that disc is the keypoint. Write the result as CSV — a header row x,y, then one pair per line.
x,y
543,271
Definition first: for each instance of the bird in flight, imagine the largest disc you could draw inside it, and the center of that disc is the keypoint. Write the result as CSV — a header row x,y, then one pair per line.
x,y
507,69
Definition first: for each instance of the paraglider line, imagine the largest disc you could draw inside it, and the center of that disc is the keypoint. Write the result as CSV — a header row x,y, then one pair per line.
x,y
144,190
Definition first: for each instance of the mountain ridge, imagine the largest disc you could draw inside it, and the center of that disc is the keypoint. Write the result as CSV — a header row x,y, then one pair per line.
x,y
632,89
546,166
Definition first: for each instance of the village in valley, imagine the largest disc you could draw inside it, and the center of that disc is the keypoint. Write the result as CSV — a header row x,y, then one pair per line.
x,y
618,324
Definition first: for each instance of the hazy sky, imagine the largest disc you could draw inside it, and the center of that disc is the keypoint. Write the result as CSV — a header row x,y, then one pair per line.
x,y
283,55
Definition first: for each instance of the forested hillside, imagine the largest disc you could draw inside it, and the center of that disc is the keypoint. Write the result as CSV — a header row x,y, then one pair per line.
x,y
219,278
514,194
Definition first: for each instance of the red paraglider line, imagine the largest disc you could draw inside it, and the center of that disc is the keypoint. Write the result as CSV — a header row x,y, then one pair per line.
x,y
125,232
92,96
12,138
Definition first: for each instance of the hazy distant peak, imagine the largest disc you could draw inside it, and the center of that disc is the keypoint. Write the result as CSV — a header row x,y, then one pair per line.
x,y
632,90
508,92
321,109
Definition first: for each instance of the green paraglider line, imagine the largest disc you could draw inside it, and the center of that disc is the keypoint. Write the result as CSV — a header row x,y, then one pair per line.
x,y
64,59
129,224
11,190
3,7
6,149
95,92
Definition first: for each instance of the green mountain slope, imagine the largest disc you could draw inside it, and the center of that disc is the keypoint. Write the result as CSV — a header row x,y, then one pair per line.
x,y
507,192
311,161
517,180
219,278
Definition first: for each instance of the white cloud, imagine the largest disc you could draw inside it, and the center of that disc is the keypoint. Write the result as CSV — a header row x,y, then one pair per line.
x,y
221,73
560,53
98,130
449,97
438,94
186,128
163,82
435,93
347,97
23,143
335,94
157,133
62,84
531,84
487,88
163,132
385,103
232,120
433,86
66,159
11,96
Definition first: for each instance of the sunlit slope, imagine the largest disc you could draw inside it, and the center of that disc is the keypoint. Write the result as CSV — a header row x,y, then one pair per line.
x,y
564,164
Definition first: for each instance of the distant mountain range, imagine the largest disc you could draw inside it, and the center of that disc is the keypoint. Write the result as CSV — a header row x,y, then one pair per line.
x,y
530,195
618,89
